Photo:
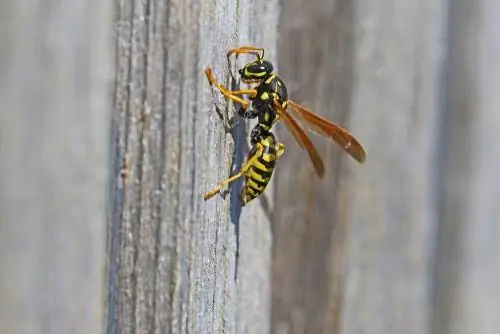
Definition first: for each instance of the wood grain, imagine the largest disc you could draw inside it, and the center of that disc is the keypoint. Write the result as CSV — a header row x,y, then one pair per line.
x,y
179,264
405,242
55,65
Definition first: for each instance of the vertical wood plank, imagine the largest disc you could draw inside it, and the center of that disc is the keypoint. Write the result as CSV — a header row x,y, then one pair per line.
x,y
417,252
396,110
354,252
179,264
467,297
316,61
55,64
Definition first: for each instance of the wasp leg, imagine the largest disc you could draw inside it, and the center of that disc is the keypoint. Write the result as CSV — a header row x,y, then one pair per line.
x,y
233,178
245,49
228,93
248,49
281,149
221,185
249,92
242,197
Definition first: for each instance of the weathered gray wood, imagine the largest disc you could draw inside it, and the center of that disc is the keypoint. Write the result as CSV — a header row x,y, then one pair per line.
x,y
316,60
55,64
392,219
467,293
407,242
179,264
382,68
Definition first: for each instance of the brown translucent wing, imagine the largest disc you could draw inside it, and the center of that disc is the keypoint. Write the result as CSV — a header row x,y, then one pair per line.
x,y
302,139
326,128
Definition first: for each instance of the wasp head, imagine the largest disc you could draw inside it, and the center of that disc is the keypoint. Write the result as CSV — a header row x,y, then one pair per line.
x,y
256,71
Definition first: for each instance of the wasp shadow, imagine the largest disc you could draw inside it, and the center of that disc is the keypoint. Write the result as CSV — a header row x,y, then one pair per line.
x,y
236,127
241,149
240,156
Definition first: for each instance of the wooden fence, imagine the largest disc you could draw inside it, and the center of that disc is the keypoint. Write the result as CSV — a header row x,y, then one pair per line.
x,y
109,128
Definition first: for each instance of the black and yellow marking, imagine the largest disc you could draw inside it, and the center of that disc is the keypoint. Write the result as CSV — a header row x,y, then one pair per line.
x,y
270,87
259,174
258,169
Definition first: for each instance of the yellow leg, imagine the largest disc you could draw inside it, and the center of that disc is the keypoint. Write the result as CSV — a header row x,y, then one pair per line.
x,y
248,49
233,178
249,92
281,149
277,118
228,93
214,191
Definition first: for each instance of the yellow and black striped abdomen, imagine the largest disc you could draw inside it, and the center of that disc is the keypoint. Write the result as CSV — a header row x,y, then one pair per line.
x,y
260,172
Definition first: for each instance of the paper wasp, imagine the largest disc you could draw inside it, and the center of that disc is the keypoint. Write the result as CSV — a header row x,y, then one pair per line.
x,y
269,102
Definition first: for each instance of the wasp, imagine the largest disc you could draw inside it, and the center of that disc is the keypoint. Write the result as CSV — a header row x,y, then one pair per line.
x,y
268,101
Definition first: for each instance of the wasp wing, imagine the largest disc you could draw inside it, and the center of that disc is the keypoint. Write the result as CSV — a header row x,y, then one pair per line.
x,y
326,128
302,139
